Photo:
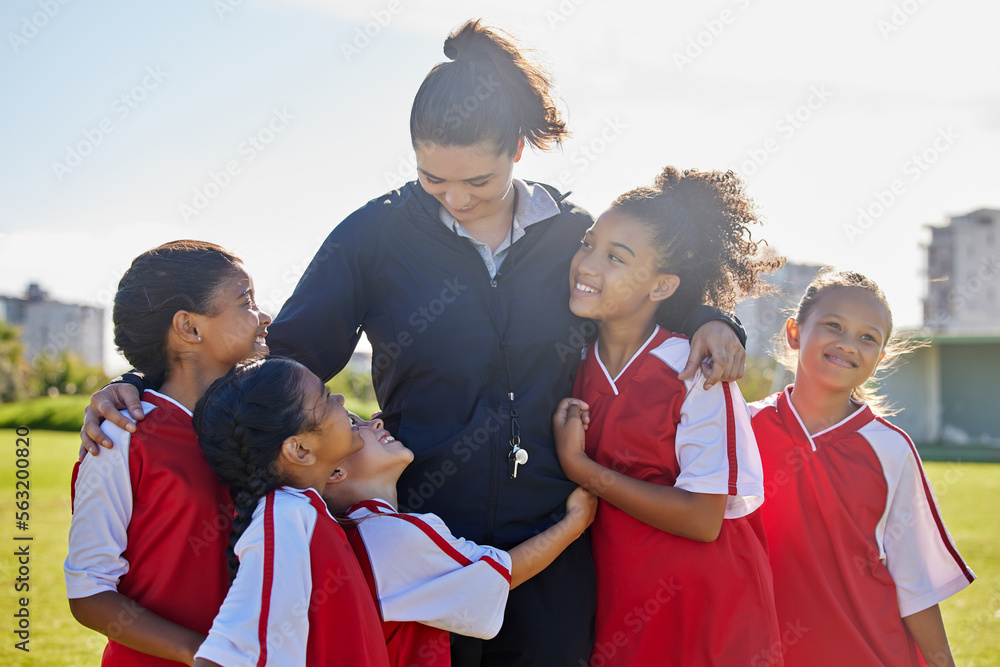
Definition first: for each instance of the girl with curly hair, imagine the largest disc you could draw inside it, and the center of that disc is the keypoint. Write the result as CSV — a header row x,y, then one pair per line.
x,y
682,570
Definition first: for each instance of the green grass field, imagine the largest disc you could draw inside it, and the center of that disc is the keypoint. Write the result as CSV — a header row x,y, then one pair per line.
x,y
969,493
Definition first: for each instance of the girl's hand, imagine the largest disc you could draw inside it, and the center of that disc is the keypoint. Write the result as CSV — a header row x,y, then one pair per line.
x,y
569,428
581,507
717,350
105,404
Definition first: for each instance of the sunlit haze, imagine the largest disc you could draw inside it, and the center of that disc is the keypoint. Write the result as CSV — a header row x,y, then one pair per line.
x,y
260,124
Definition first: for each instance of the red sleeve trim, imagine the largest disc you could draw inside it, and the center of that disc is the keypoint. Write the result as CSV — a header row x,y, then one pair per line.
x,y
72,486
450,550
361,553
731,438
498,567
265,596
375,506
942,533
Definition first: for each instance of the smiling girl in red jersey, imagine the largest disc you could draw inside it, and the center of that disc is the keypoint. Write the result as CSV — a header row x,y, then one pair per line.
x,y
860,555
145,543
682,574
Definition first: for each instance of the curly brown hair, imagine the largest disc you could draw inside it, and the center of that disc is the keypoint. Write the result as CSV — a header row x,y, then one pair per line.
x,y
700,223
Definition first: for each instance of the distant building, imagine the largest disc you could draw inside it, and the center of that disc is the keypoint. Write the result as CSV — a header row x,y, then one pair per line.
x,y
945,391
55,327
963,275
765,316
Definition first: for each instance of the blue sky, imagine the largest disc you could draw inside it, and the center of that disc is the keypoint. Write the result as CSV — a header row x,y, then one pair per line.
x,y
885,106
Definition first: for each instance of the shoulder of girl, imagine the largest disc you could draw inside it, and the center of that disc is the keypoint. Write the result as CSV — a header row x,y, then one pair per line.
x,y
674,352
118,434
892,435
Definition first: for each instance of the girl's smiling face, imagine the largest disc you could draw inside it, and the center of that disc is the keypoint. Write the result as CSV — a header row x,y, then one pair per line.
x,y
382,452
337,432
842,339
615,275
238,328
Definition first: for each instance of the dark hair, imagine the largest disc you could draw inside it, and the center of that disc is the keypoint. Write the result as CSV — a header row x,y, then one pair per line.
x,y
700,232
490,92
241,422
180,275
894,347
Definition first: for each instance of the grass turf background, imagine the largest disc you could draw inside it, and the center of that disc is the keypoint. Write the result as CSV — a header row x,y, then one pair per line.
x,y
968,493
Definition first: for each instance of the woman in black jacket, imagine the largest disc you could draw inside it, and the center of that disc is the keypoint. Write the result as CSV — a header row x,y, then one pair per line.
x,y
460,282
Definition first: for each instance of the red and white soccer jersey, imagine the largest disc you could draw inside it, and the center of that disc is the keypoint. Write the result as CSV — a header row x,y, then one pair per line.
x,y
664,599
855,537
151,521
427,582
299,597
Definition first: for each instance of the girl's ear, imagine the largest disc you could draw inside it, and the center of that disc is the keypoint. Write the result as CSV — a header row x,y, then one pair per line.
x,y
792,333
185,325
296,451
664,287
520,149
339,475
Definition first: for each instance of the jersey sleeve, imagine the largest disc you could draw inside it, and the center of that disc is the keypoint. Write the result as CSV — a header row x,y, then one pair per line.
x,y
102,510
266,609
919,553
716,448
423,573
321,322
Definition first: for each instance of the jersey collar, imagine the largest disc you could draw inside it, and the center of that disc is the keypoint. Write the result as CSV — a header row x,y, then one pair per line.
x,y
797,428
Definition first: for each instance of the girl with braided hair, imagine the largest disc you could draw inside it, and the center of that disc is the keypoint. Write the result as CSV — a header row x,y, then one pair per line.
x,y
274,435
146,563
682,569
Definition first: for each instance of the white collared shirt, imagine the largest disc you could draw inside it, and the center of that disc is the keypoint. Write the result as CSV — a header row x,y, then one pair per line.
x,y
534,204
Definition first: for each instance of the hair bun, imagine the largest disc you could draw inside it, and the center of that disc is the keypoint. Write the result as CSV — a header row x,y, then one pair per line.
x,y
450,50
668,178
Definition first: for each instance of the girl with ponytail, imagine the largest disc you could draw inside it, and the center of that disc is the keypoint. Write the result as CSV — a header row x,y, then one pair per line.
x,y
274,435
675,465
148,536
